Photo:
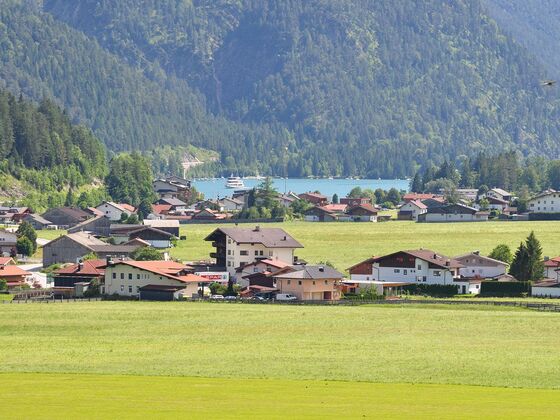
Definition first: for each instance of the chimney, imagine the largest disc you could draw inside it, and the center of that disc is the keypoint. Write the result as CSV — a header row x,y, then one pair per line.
x,y
447,263
257,228
435,257
546,258
285,238
476,252
80,266
109,260
321,269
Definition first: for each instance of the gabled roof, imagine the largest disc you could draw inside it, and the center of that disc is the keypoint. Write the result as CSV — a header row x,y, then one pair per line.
x,y
273,263
125,208
12,270
453,208
494,200
310,272
418,204
82,225
7,261
172,201
128,207
428,256
158,223
161,208
87,268
73,212
37,218
85,239
419,196
169,269
552,262
335,207
475,255
367,207
500,192
314,195
95,212
137,241
150,229
545,193
269,237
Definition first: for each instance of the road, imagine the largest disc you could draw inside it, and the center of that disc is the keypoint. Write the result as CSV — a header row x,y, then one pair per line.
x,y
35,269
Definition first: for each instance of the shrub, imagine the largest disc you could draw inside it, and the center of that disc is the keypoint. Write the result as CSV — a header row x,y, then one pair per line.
x,y
433,290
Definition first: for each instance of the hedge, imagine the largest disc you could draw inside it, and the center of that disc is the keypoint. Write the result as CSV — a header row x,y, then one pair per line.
x,y
544,216
504,289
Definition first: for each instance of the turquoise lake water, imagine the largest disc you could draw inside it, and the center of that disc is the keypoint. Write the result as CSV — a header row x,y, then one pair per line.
x,y
214,188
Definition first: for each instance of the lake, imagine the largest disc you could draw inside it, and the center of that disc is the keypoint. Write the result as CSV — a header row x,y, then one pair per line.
x,y
214,188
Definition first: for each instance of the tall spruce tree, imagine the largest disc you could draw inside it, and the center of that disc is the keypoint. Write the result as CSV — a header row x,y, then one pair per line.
x,y
519,263
535,265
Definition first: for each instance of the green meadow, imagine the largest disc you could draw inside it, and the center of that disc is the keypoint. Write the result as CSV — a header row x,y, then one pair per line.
x,y
345,244
134,359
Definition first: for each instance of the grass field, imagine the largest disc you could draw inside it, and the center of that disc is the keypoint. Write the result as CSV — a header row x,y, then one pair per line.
x,y
228,360
345,244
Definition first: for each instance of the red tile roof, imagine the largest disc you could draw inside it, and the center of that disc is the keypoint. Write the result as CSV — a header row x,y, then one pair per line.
x,y
128,207
161,208
419,196
335,207
12,271
88,268
170,269
6,260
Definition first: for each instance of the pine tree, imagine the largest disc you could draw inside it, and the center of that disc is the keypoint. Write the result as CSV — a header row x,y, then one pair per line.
x,y
416,184
535,265
518,267
335,199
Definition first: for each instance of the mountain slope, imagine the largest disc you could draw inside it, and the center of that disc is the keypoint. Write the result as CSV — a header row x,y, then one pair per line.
x,y
535,24
326,87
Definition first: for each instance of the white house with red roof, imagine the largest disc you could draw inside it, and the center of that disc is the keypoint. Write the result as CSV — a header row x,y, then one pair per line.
x,y
114,211
126,278
267,266
411,210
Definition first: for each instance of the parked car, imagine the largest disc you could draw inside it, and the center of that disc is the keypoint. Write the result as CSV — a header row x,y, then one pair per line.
x,y
285,297
258,298
230,298
217,297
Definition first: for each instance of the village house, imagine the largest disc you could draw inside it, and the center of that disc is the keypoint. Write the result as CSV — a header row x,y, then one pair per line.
x,y
97,225
258,272
114,211
207,214
420,196
320,214
8,242
169,226
362,213
453,213
552,268
230,204
314,198
479,266
175,205
66,217
172,187
287,199
495,203
14,276
124,233
73,280
13,215
151,280
468,194
411,210
309,282
38,222
404,268
73,246
545,202
237,247
159,211
546,288
351,202
499,194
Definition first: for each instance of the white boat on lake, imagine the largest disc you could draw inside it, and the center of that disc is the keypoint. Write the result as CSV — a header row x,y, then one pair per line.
x,y
234,182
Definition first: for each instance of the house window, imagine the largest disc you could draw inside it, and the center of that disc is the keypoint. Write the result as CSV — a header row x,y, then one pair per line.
x,y
137,276
255,270
244,253
229,251
129,289
130,276
229,263
114,275
137,289
326,282
269,253
122,276
424,278
396,270
289,281
256,252
313,282
405,272
437,273
122,287
419,267
299,282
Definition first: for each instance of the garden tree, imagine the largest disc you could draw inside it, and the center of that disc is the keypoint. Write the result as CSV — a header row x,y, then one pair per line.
x,y
502,253
451,195
484,204
438,185
132,219
130,179
483,189
299,207
24,246
124,218
522,199
3,285
147,254
266,194
535,260
230,291
94,289
26,230
394,196
90,256
335,199
554,174
416,183
380,196
144,209
217,288
527,264
468,177
518,268
355,192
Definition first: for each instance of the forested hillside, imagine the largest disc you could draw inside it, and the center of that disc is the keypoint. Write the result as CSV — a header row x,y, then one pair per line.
x,y
323,87
41,150
535,24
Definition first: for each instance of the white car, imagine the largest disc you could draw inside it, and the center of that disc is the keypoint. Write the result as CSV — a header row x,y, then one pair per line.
x,y
285,296
217,297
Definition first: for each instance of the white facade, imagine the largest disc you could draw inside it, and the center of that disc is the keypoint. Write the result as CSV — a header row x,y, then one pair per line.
x,y
415,210
455,217
126,280
545,291
481,266
112,211
238,255
545,203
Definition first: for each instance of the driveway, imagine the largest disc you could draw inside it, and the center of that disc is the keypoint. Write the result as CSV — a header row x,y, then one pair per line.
x,y
35,269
